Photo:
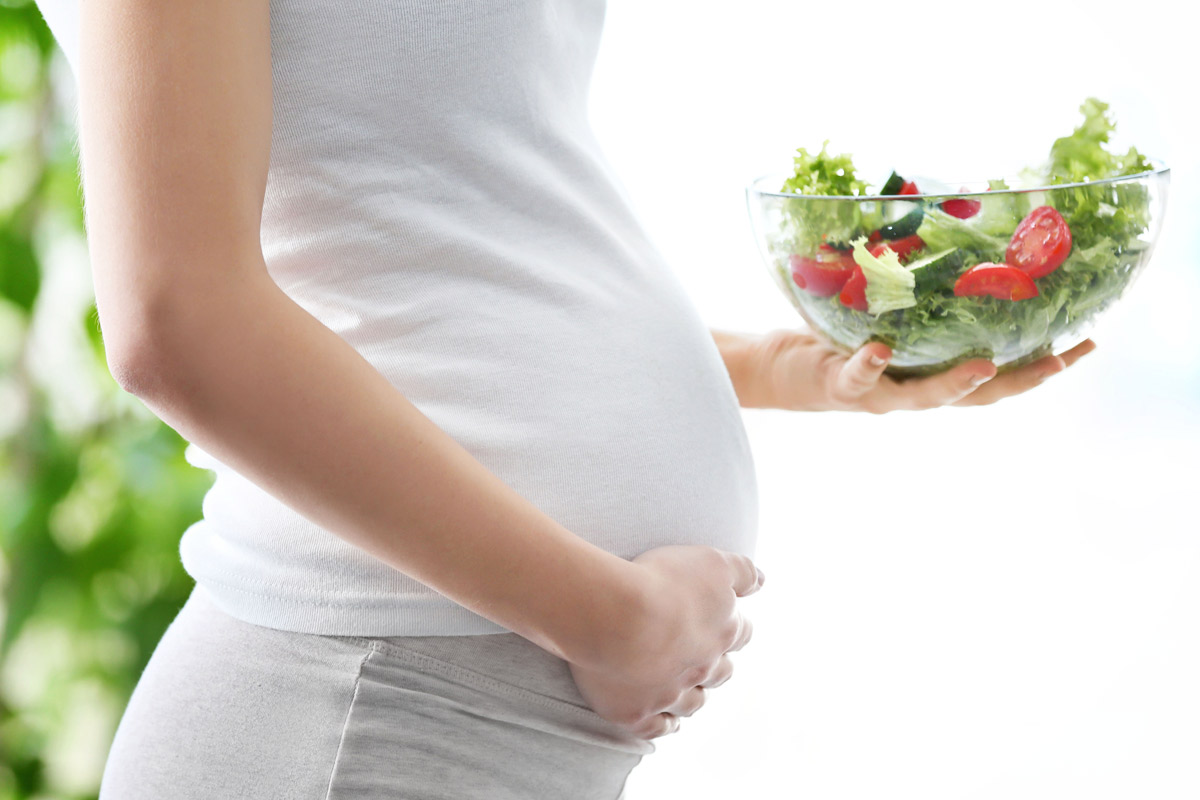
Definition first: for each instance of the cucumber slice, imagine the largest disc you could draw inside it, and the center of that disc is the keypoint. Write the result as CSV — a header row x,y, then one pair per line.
x,y
905,226
937,271
893,185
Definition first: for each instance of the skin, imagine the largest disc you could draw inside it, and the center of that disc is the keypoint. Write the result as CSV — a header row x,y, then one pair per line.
x,y
797,370
175,121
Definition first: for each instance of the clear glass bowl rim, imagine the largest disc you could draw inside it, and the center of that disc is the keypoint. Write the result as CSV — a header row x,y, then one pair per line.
x,y
1160,168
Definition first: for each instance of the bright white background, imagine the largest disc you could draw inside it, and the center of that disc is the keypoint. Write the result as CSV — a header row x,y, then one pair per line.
x,y
976,603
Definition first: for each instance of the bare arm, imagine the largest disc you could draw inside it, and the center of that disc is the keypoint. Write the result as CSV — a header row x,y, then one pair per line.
x,y
175,124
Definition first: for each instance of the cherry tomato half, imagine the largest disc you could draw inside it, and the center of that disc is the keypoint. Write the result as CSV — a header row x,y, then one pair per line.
x,y
824,275
997,280
854,293
1040,243
902,247
908,187
961,207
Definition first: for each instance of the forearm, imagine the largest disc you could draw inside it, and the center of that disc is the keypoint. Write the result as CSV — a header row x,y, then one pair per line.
x,y
251,377
746,356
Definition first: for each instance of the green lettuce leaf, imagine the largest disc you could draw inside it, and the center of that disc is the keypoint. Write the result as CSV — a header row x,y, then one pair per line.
x,y
928,327
889,283
823,174
813,222
942,231
1082,157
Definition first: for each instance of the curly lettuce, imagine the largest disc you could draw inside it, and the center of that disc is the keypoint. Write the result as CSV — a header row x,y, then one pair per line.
x,y
928,327
1082,157
824,174
1100,211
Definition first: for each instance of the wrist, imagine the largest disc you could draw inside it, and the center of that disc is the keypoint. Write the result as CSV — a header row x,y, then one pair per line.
x,y
769,351
595,611
799,370
776,353
748,360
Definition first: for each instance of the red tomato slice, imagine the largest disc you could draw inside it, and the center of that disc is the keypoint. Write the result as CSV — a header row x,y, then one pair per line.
x,y
908,187
1040,243
961,207
997,280
902,247
825,275
854,293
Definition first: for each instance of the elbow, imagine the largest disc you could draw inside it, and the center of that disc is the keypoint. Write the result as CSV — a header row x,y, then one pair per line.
x,y
137,370
157,335
138,352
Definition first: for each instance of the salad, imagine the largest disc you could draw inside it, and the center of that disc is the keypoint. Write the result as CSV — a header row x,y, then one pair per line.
x,y
942,279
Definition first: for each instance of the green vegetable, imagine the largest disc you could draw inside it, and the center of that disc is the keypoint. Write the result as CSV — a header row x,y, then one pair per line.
x,y
823,223
823,174
1000,214
1082,157
905,226
893,184
940,231
913,309
1096,212
936,271
889,284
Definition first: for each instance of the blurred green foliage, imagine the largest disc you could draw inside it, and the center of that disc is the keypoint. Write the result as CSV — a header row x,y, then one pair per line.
x,y
94,489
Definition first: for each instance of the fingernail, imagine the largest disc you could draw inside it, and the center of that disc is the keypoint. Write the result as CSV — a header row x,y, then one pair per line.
x,y
978,379
761,576
876,361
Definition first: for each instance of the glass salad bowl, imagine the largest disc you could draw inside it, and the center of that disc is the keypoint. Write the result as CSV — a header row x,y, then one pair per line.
x,y
1008,274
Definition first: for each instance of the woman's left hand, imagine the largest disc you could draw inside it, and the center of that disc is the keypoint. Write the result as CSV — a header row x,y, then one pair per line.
x,y
803,372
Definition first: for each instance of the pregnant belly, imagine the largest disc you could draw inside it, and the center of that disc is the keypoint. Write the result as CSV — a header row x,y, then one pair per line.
x,y
628,448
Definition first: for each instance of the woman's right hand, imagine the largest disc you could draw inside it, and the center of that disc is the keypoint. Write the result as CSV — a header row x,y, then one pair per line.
x,y
655,665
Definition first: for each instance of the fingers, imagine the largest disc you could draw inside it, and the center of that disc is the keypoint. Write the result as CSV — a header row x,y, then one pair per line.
x,y
972,383
689,702
721,673
1025,378
861,372
745,631
745,578
658,725
1015,382
943,389
1078,351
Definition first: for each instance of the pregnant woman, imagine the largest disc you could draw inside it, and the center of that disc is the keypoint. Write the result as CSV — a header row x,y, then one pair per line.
x,y
484,503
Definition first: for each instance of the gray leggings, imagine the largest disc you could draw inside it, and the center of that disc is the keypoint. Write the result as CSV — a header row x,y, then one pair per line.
x,y
227,709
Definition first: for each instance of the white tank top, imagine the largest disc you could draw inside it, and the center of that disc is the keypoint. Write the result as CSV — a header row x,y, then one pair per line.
x,y
436,197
